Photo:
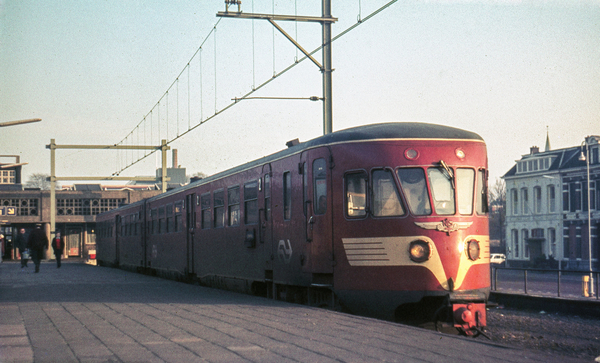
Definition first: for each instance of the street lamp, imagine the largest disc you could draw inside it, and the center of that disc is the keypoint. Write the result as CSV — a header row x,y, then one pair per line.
x,y
586,158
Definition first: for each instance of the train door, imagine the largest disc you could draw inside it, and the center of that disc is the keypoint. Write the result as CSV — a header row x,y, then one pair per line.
x,y
316,165
117,239
190,219
265,218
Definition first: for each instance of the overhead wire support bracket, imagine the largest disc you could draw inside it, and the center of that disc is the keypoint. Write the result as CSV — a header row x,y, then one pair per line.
x,y
326,20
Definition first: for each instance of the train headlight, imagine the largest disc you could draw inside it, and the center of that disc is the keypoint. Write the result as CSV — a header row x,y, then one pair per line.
x,y
419,251
473,250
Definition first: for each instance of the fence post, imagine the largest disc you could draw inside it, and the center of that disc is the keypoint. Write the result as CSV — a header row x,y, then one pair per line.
x,y
525,278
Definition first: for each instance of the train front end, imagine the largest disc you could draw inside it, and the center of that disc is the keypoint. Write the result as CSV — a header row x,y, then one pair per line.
x,y
413,244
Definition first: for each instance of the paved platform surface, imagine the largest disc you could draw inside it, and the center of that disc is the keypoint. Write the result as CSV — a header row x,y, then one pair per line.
x,y
83,313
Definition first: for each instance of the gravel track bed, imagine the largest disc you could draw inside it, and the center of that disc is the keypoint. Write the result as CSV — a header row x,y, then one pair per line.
x,y
560,334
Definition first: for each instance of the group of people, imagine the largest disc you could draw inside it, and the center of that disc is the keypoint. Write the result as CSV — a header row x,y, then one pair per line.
x,y
36,245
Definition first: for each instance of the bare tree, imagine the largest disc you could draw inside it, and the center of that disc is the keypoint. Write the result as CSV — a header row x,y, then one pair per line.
x,y
39,180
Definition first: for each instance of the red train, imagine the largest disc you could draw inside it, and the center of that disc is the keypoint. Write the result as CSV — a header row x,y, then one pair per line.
x,y
387,220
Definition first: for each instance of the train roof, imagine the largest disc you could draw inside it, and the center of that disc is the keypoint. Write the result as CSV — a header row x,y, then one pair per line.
x,y
381,131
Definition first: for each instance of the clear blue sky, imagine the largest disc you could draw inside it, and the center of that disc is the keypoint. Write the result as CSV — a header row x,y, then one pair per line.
x,y
92,70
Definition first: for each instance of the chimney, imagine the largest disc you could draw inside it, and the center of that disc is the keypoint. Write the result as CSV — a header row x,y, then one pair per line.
x,y
534,150
174,158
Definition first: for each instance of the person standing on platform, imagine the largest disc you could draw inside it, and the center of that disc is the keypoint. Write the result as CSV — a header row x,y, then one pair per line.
x,y
37,243
58,245
21,244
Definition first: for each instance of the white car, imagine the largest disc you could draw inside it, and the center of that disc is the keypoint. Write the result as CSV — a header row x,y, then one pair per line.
x,y
497,258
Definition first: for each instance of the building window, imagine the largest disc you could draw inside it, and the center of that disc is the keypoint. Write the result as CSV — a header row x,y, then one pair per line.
x,y
233,206
524,238
515,242
575,197
7,176
537,194
524,201
552,241
551,199
514,201
593,195
251,202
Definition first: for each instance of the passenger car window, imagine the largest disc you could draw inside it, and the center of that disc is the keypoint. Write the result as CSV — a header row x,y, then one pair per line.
x,y
414,188
251,202
386,201
219,208
356,194
233,206
205,213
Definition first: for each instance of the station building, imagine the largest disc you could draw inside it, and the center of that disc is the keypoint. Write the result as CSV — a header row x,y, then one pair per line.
x,y
548,217
76,208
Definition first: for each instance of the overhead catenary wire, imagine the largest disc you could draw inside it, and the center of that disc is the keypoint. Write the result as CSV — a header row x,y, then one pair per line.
x,y
276,74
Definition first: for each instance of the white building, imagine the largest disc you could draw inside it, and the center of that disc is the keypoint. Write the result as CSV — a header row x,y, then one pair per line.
x,y
547,205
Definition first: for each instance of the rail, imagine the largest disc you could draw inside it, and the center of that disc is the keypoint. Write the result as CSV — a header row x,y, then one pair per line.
x,y
542,281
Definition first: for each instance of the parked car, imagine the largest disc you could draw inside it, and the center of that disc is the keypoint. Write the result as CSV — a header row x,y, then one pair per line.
x,y
497,258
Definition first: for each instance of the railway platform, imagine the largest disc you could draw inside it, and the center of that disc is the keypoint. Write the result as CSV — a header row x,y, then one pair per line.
x,y
84,313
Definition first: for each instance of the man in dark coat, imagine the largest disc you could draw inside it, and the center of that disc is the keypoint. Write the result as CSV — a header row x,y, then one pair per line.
x,y
58,245
37,243
21,244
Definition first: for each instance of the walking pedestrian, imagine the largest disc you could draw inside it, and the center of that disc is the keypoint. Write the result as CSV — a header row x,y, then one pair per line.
x,y
58,246
37,243
21,244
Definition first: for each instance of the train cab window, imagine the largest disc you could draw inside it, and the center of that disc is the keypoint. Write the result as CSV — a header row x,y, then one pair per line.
x,y
233,203
414,187
386,200
219,208
465,185
251,202
320,186
356,194
482,200
205,210
287,195
442,191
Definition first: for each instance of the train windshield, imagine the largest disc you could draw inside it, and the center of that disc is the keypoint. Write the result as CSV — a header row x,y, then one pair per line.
x,y
442,190
449,189
414,187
